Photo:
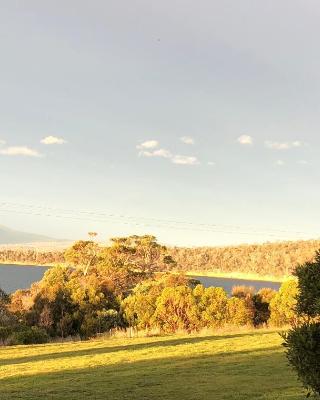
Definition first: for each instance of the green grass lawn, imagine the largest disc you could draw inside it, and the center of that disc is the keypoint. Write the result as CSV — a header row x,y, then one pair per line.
x,y
236,366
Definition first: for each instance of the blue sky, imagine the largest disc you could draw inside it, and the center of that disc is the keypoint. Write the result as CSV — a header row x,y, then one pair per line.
x,y
205,113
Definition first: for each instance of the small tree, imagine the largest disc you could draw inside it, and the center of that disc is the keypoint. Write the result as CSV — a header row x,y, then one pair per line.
x,y
303,340
283,304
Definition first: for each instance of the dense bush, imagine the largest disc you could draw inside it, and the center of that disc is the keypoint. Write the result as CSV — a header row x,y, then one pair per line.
x,y
5,333
283,304
303,352
303,340
171,305
29,335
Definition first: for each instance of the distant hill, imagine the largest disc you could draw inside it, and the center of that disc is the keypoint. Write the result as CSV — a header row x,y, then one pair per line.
x,y
274,259
10,236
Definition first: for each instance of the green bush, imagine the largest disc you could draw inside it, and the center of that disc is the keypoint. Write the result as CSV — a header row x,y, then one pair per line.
x,y
303,340
303,352
5,333
308,299
33,335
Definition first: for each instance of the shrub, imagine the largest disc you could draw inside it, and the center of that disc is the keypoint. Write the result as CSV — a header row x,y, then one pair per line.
x,y
176,309
238,312
303,352
308,299
283,305
303,340
26,335
5,333
212,306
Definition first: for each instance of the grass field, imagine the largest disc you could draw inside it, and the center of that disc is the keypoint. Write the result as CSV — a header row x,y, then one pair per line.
x,y
236,366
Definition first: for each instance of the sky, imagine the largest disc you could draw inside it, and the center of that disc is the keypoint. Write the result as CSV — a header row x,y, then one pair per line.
x,y
195,121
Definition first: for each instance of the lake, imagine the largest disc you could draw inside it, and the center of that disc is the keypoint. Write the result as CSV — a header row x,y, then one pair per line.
x,y
228,283
14,277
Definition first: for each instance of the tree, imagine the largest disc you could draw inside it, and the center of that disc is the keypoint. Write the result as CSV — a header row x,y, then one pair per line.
x,y
303,340
6,317
261,302
213,305
238,314
142,253
82,255
129,260
283,304
176,309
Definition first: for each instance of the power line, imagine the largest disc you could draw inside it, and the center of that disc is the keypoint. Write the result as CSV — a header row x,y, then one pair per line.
x,y
92,216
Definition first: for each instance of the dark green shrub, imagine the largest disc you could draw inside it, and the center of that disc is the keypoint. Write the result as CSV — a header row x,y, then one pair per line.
x,y
303,340
33,335
308,299
5,333
303,352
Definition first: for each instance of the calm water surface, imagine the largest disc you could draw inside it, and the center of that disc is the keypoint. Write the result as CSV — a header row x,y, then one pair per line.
x,y
14,277
228,283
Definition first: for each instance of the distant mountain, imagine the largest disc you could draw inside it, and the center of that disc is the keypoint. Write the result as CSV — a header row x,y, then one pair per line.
x,y
10,236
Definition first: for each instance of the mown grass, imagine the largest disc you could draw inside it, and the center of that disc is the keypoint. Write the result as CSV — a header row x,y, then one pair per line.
x,y
236,366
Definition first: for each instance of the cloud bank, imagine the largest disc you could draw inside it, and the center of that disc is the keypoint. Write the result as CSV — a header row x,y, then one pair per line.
x,y
20,151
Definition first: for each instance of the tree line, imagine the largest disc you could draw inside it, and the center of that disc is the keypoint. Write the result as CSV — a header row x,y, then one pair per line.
x,y
102,289
277,259
30,256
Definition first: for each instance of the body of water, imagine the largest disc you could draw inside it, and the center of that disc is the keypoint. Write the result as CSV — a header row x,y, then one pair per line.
x,y
229,283
14,277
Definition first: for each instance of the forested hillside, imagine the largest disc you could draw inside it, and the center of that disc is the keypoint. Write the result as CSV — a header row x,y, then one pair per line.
x,y
276,259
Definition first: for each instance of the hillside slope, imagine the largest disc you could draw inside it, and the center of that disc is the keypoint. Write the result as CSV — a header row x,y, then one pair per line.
x,y
11,236
277,259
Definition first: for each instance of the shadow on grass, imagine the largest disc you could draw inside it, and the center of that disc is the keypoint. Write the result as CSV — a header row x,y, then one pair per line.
x,y
241,375
132,347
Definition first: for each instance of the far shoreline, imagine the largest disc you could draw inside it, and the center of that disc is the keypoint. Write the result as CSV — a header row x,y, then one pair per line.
x,y
205,274
25,264
238,275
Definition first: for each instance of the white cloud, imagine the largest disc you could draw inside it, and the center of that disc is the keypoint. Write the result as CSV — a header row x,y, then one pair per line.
x,y
211,163
148,149
2,142
245,139
53,140
303,162
149,144
156,153
185,160
187,140
20,151
283,145
280,163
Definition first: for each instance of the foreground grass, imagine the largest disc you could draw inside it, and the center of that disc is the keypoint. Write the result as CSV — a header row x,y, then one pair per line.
x,y
235,366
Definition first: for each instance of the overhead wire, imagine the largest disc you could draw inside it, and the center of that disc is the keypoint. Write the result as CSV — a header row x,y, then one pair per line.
x,y
146,222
